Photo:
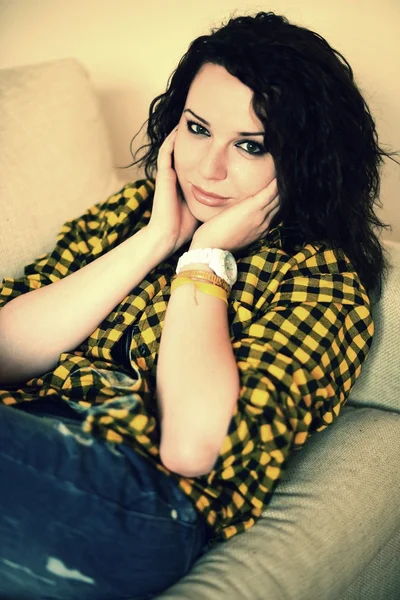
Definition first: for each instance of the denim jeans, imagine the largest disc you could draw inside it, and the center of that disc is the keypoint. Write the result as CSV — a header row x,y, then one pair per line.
x,y
81,518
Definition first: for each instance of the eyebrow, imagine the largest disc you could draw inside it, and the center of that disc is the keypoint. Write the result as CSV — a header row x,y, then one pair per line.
x,y
208,124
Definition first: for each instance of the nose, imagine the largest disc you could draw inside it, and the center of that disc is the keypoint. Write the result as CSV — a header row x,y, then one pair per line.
x,y
213,164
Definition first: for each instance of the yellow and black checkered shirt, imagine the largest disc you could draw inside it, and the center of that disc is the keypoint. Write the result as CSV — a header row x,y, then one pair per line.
x,y
300,327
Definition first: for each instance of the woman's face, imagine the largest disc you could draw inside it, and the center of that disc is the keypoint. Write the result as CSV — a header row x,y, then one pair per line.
x,y
219,144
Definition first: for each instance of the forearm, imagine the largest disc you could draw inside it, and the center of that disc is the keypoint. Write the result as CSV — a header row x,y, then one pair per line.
x,y
37,327
197,380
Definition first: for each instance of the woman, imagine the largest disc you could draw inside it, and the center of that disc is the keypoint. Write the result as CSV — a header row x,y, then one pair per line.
x,y
186,335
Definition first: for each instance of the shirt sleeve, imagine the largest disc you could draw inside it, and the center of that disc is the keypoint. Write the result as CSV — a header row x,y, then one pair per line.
x,y
84,239
297,363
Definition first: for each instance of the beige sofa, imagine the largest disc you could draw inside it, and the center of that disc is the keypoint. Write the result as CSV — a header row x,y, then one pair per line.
x,y
332,531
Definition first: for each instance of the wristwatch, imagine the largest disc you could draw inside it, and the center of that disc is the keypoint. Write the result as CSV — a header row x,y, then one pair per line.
x,y
222,262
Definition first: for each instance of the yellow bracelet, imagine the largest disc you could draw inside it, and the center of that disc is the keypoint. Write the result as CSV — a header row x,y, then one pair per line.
x,y
207,277
207,288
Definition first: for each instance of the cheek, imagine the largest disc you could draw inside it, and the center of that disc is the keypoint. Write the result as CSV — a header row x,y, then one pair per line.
x,y
252,176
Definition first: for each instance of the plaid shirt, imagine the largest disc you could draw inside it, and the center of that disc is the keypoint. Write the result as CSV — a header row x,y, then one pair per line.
x,y
300,327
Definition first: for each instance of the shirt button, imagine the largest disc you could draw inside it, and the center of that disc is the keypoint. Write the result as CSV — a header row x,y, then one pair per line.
x,y
135,329
119,318
143,350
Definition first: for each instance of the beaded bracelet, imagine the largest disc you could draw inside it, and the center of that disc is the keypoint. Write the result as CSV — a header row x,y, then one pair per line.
x,y
207,288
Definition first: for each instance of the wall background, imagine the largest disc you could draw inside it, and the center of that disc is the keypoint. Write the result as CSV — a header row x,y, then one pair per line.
x,y
130,48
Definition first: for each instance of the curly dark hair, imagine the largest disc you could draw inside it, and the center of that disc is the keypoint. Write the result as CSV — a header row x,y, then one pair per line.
x,y
318,129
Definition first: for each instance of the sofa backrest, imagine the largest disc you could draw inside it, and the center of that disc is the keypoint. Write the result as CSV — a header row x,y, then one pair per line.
x,y
379,383
55,158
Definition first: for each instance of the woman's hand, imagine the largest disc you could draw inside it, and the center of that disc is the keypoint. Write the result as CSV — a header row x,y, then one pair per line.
x,y
171,218
241,224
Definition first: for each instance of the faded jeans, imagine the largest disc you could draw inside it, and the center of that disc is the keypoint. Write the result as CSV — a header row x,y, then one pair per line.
x,y
81,519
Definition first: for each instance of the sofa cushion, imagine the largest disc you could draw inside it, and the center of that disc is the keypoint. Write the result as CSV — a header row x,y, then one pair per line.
x,y
55,156
379,383
329,516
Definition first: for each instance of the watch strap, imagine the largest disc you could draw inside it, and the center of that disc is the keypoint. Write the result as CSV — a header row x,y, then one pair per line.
x,y
199,255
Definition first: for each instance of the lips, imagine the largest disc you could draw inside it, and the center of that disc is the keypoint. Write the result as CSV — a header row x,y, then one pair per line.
x,y
207,198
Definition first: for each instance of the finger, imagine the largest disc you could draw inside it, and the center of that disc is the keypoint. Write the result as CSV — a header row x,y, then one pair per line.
x,y
164,159
264,197
273,204
271,208
271,215
167,146
271,191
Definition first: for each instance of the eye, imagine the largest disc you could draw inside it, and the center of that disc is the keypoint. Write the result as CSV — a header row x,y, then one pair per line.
x,y
196,129
253,148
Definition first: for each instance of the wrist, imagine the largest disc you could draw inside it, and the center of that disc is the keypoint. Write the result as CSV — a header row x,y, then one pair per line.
x,y
198,243
161,243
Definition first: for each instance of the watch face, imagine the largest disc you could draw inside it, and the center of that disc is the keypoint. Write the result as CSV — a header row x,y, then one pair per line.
x,y
230,267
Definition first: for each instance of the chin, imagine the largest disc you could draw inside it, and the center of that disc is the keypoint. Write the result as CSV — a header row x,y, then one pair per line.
x,y
200,212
